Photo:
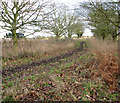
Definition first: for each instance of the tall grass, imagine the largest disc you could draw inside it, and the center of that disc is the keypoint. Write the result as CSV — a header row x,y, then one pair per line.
x,y
106,64
34,47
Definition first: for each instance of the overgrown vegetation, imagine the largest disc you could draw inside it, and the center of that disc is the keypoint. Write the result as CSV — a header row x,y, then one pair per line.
x,y
28,51
84,76
54,69
106,63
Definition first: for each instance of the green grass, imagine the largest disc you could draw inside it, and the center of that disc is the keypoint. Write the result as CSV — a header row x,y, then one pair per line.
x,y
32,77
77,44
116,55
37,85
81,57
88,44
8,98
7,78
31,82
68,65
51,72
86,57
83,45
25,78
10,84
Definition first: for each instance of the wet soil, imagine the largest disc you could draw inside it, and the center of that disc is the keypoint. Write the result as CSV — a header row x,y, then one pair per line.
x,y
19,68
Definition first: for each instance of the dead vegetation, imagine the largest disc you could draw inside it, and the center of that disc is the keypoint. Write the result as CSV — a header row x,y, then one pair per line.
x,y
106,62
29,50
36,46
88,75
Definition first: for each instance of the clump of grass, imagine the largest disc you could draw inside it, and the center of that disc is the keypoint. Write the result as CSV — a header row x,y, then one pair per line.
x,y
77,43
8,98
10,94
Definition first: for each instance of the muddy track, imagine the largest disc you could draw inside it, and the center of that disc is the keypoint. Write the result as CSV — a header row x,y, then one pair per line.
x,y
10,70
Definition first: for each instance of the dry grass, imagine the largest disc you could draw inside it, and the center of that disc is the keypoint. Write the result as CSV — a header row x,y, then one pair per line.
x,y
104,47
37,46
106,53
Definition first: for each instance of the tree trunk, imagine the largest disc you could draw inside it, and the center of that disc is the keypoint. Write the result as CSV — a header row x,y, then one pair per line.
x,y
114,38
103,37
57,37
69,36
57,34
14,37
14,41
78,35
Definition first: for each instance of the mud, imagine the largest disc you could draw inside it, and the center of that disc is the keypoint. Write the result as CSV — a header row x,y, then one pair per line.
x,y
9,70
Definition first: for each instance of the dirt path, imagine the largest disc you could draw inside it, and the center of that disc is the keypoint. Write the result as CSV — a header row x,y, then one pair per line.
x,y
10,70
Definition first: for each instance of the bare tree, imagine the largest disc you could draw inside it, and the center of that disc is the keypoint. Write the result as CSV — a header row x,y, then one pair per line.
x,y
61,22
104,16
113,6
21,15
56,21
79,28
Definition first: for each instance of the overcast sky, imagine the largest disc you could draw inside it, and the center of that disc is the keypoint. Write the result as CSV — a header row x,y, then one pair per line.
x,y
71,4
74,2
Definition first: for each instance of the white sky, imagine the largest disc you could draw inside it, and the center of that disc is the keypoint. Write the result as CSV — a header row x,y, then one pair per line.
x,y
73,2
87,32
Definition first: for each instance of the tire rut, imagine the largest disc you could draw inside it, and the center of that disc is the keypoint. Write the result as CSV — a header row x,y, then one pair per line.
x,y
10,70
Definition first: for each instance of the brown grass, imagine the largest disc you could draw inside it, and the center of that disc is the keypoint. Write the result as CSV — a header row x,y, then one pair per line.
x,y
106,53
37,46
